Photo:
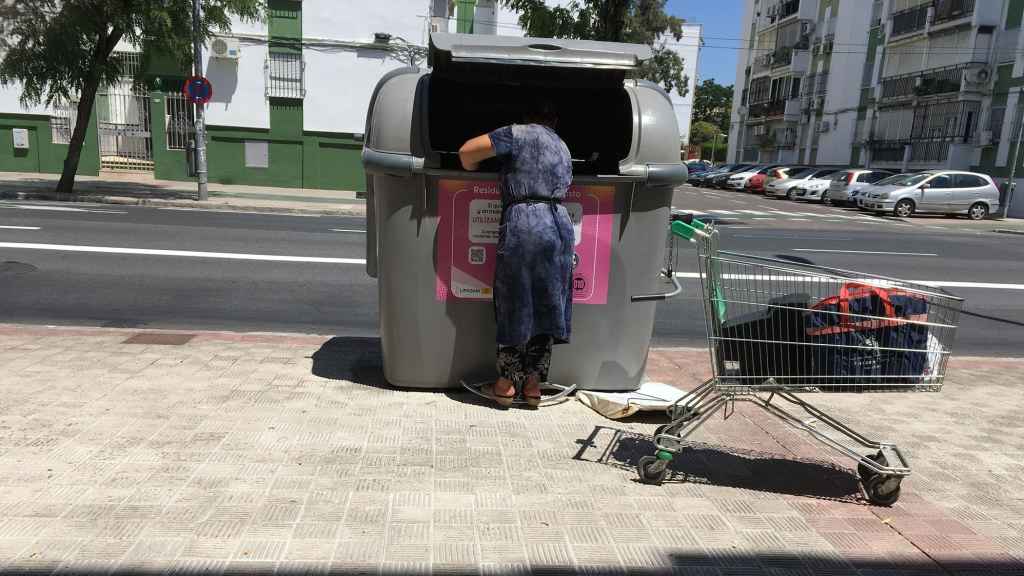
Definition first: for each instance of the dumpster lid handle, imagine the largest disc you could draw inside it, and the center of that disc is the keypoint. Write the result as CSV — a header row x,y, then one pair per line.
x,y
555,52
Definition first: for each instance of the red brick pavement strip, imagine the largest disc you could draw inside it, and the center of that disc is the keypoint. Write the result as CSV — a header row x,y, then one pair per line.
x,y
730,488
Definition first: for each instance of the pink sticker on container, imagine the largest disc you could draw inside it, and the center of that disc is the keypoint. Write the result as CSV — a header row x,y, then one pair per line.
x,y
467,239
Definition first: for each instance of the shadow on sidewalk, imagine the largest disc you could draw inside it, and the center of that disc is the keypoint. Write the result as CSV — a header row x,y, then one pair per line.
x,y
725,466
697,562
130,189
353,359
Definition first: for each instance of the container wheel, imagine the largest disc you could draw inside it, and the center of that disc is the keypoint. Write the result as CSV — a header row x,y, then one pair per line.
x,y
866,473
660,430
652,470
883,490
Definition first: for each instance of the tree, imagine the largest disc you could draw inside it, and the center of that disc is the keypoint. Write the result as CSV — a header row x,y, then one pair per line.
x,y
702,132
712,103
63,50
635,21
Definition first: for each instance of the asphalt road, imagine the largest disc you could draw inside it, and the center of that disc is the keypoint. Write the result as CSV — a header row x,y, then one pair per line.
x,y
102,265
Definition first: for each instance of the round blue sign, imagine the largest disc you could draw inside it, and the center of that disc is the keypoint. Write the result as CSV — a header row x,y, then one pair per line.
x,y
198,89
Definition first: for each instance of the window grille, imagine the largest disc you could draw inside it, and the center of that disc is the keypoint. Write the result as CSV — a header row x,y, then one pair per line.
x,y
62,122
285,75
180,122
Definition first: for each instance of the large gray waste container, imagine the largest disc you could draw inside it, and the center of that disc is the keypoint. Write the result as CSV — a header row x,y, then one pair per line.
x,y
432,227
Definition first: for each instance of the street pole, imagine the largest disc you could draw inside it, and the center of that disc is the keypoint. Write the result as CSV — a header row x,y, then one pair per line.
x,y
1016,160
197,48
714,149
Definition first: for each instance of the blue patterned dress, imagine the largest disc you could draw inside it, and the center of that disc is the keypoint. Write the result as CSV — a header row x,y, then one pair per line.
x,y
533,279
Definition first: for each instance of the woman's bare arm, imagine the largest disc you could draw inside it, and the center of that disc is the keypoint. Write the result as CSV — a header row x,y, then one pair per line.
x,y
475,151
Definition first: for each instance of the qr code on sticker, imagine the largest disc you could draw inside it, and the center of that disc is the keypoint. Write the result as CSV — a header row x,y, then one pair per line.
x,y
477,255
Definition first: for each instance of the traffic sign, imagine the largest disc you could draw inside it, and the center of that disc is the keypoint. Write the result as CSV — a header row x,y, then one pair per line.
x,y
198,89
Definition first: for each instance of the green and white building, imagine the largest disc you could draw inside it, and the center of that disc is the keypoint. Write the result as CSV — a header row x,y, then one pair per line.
x,y
898,84
290,96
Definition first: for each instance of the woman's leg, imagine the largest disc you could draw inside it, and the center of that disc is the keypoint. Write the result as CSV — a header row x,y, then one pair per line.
x,y
537,362
511,370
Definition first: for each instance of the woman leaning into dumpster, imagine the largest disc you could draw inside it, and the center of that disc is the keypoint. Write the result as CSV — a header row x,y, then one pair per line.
x,y
532,279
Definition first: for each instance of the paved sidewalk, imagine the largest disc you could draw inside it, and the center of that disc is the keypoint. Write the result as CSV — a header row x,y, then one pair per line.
x,y
216,453
136,189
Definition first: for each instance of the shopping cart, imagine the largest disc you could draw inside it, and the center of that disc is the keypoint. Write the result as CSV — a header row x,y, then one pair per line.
x,y
779,328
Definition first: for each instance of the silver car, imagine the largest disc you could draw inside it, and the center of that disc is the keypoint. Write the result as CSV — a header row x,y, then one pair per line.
x,y
848,184
942,191
784,188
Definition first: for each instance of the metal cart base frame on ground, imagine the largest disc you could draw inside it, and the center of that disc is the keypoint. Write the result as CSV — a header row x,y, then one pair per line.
x,y
778,328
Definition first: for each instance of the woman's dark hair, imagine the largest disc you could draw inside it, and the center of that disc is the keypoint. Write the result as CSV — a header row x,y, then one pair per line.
x,y
539,110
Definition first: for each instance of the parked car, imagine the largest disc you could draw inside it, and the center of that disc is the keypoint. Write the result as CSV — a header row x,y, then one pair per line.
x,y
847,185
704,178
786,188
695,167
757,182
719,180
812,189
738,181
941,191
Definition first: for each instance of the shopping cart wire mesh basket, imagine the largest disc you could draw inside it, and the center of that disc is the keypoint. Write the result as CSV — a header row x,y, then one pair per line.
x,y
778,329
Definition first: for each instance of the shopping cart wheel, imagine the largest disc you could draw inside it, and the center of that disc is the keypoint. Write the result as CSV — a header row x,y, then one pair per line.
x,y
866,473
883,490
652,470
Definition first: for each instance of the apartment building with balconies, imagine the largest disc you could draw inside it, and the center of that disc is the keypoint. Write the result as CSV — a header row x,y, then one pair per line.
x,y
899,84
788,85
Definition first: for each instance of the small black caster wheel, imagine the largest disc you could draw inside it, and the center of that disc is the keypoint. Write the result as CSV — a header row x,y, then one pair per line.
x,y
652,470
883,490
660,430
866,473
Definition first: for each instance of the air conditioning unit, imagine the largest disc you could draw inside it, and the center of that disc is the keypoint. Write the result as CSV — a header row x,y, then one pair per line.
x,y
985,138
824,126
806,27
226,48
979,76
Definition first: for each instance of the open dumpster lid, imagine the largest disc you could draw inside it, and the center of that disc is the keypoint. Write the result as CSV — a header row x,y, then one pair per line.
x,y
478,48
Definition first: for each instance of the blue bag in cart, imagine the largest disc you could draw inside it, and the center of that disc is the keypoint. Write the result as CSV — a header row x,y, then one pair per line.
x,y
870,337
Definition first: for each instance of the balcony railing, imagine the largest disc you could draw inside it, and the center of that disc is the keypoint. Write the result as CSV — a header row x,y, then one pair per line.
x,y
934,81
785,137
949,10
910,20
768,109
782,57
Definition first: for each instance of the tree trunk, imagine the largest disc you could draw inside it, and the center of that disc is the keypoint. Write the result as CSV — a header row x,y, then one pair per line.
x,y
87,99
85,105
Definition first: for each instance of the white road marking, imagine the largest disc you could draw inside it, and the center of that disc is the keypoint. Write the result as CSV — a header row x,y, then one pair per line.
x,y
726,212
754,212
347,230
799,219
180,253
19,228
781,213
762,218
932,283
864,252
258,213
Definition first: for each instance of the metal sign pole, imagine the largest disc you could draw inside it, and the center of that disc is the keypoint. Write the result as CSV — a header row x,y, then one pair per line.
x,y
1016,160
197,48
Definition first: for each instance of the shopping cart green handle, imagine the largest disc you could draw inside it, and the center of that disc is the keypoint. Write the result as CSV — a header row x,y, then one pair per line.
x,y
688,231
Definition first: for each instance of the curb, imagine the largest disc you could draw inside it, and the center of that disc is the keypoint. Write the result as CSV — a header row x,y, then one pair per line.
x,y
1005,231
352,210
